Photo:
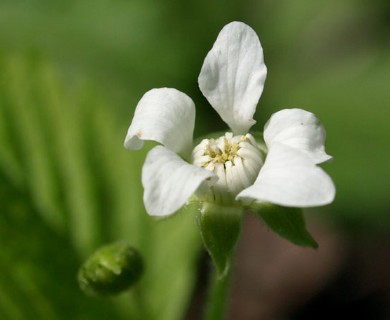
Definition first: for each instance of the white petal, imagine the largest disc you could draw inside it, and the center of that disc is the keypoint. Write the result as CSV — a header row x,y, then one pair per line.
x,y
233,74
290,178
164,115
298,129
169,181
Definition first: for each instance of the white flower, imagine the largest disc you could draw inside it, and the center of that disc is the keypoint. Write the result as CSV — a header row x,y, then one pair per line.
x,y
230,169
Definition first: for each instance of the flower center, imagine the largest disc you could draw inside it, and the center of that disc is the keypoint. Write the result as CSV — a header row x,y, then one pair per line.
x,y
236,160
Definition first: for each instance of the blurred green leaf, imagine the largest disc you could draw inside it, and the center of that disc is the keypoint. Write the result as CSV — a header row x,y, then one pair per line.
x,y
68,186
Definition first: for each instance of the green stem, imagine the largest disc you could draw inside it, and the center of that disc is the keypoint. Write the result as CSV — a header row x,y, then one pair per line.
x,y
218,295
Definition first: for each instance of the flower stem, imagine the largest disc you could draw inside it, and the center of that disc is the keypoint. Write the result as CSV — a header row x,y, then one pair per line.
x,y
218,295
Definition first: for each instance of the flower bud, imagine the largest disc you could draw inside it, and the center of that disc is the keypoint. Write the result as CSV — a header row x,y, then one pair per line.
x,y
111,269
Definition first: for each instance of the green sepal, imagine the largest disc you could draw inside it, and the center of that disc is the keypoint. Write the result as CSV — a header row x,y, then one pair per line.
x,y
289,223
192,205
220,228
111,269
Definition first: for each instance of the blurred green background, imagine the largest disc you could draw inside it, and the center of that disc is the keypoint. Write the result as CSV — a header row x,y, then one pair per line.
x,y
71,74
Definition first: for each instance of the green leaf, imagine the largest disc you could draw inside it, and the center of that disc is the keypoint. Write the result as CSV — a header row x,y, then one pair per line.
x,y
220,228
289,223
67,186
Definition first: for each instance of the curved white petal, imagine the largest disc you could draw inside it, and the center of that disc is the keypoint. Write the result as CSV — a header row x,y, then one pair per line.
x,y
290,178
298,129
164,115
169,181
233,74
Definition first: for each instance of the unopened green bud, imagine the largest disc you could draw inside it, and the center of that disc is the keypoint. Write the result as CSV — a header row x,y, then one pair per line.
x,y
111,269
